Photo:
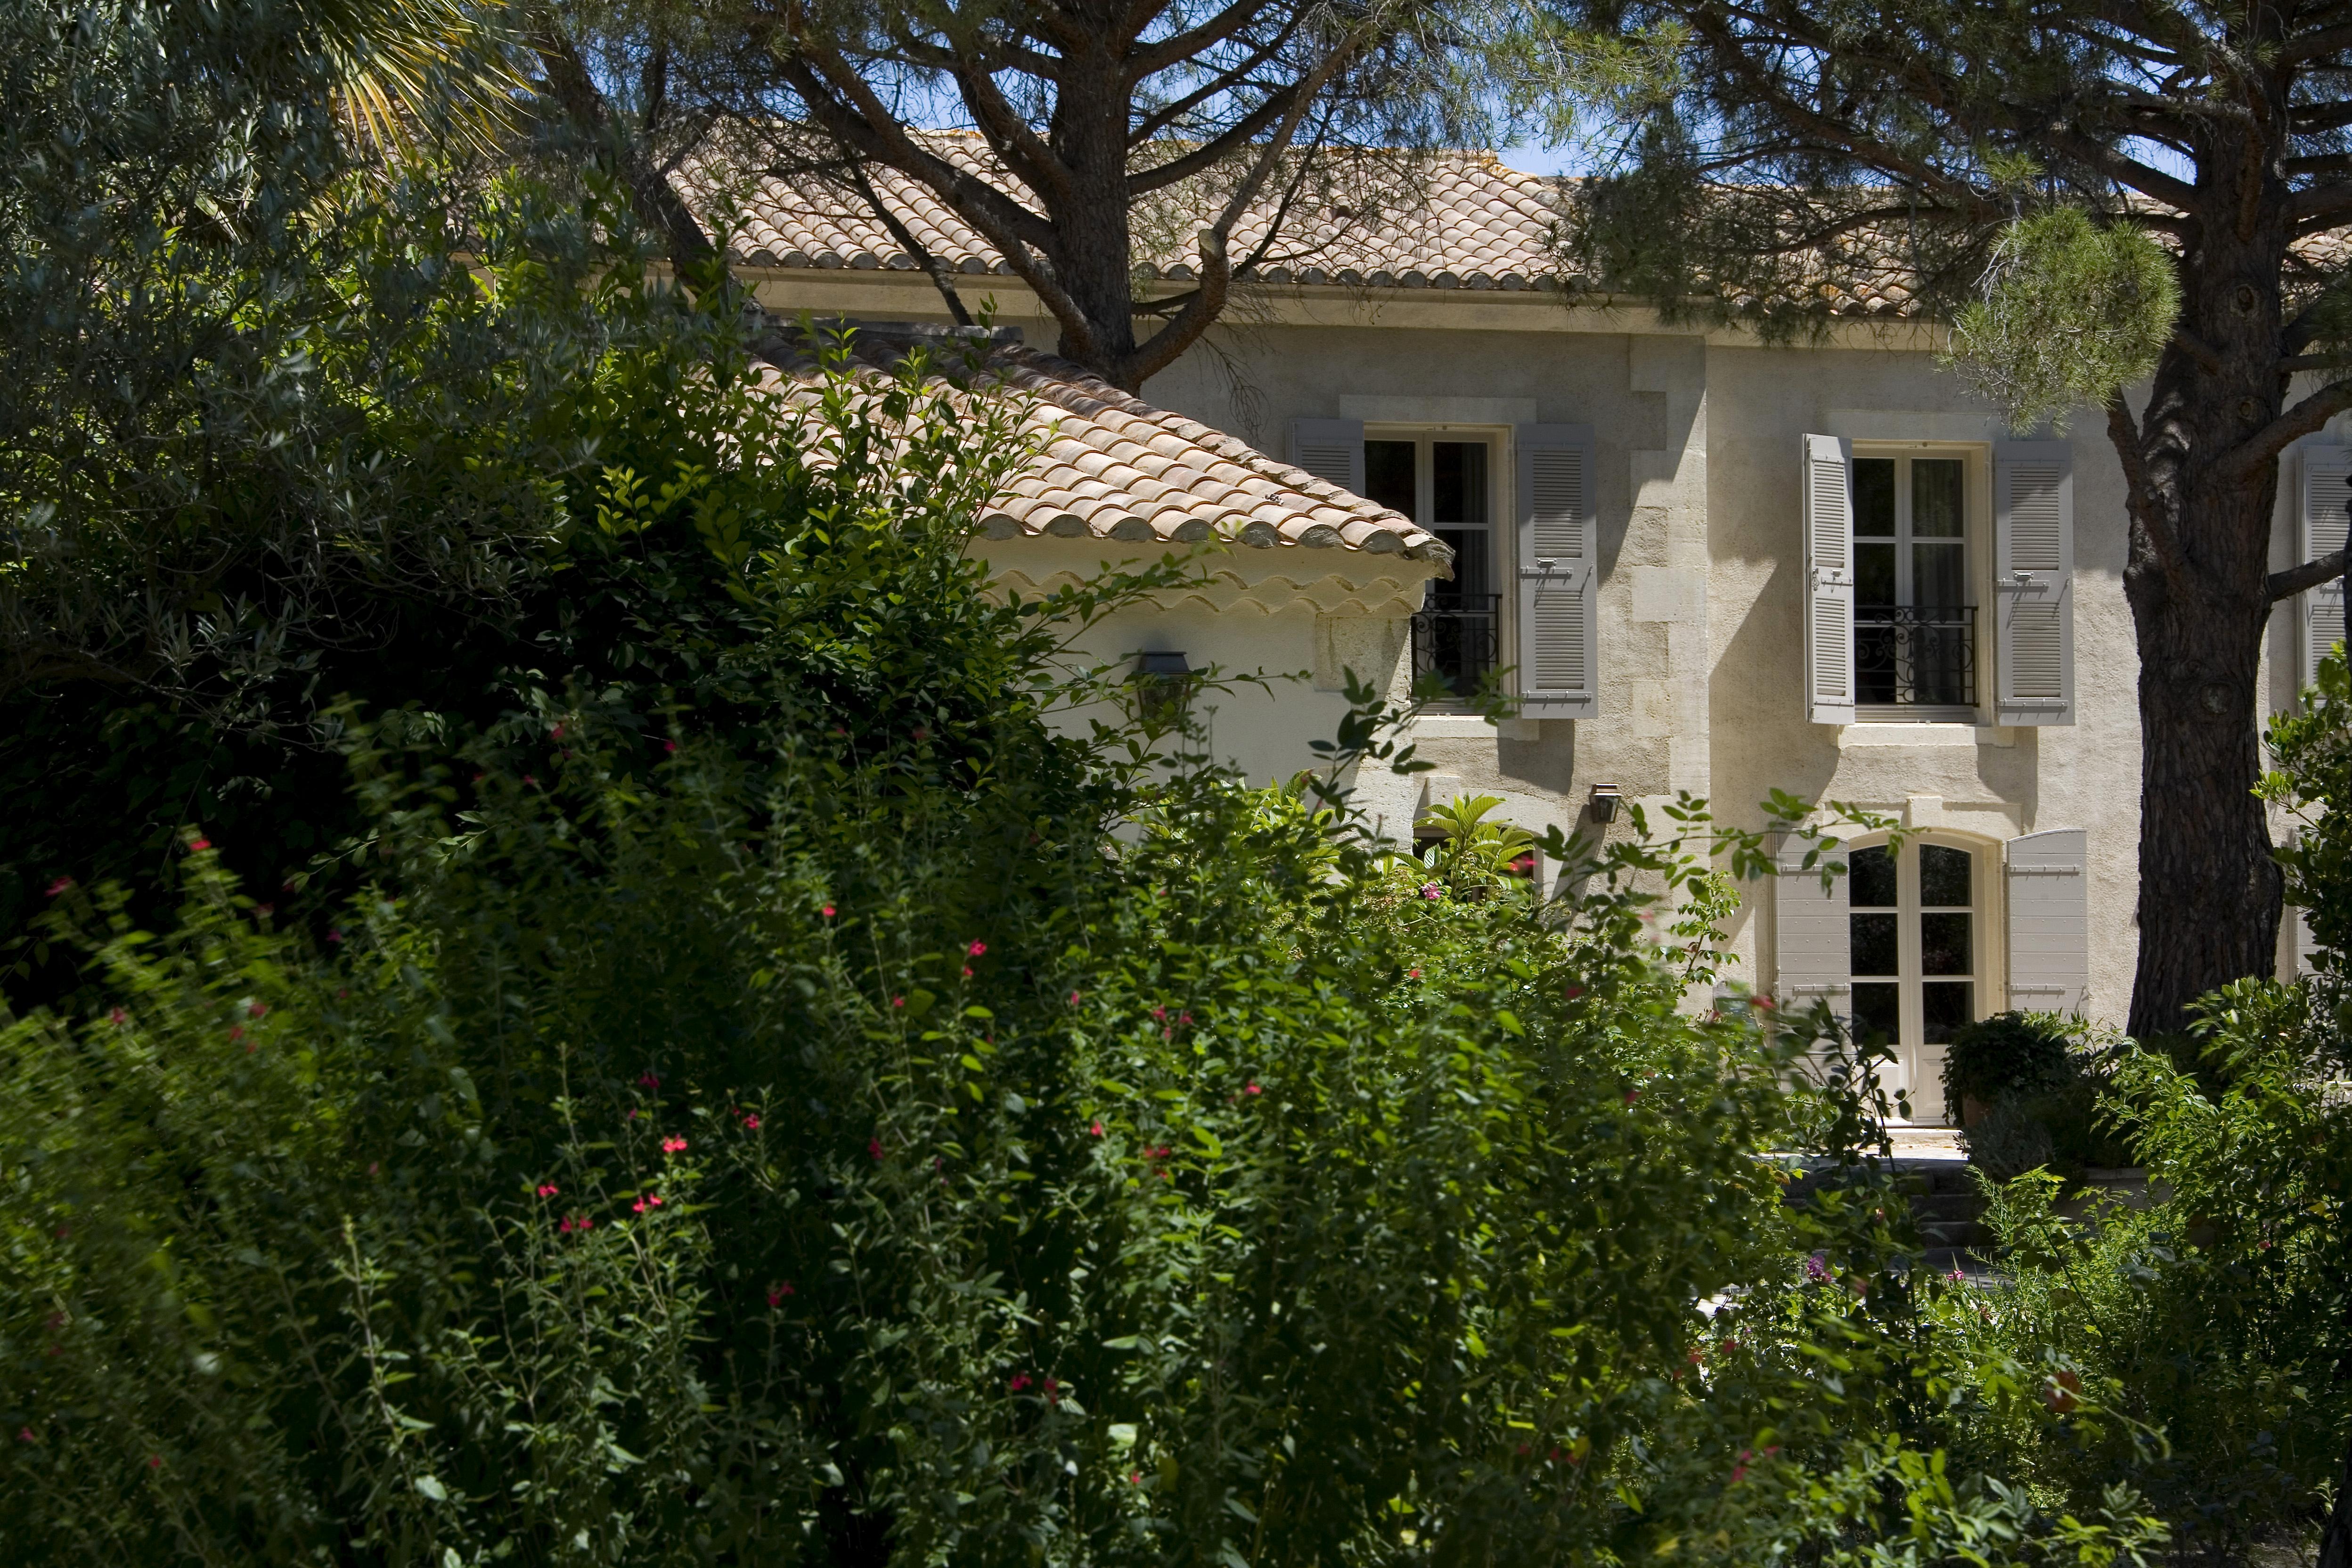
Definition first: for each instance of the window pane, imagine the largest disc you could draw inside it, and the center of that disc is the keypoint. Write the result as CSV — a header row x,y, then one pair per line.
x,y
1944,878
1870,877
1878,1012
1944,945
1935,497
1387,476
1873,497
1874,574
1457,474
1472,577
1946,1007
1873,945
1939,574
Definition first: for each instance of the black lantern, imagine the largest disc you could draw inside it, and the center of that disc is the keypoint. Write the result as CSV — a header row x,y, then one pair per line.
x,y
1604,803
1163,679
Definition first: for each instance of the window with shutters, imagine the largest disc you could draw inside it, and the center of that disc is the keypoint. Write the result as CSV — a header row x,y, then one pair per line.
x,y
1915,606
1445,482
1917,945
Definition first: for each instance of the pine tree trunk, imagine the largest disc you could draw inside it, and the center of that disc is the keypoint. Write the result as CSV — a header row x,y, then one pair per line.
x,y
2198,581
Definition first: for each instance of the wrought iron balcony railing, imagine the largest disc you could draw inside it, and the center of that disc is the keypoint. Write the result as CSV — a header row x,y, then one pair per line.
x,y
1916,656
1457,639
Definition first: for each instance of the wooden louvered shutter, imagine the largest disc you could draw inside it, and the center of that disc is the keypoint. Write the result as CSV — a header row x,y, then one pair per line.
x,y
2033,583
2049,921
1812,940
2320,523
1829,580
1558,574
1331,449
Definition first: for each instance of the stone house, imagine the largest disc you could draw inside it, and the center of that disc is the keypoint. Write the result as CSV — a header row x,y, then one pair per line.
x,y
1710,565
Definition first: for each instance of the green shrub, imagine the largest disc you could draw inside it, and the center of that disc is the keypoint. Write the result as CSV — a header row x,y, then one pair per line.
x,y
2007,1053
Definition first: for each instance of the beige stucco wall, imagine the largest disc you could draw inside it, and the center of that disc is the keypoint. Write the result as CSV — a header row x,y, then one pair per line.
x,y
1696,491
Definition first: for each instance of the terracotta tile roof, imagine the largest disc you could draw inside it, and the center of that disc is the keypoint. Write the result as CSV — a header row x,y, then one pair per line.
x,y
1450,220
1111,465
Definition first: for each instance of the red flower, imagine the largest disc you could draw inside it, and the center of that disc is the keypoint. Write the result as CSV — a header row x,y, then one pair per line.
x,y
1574,992
967,972
195,846
1253,1089
556,733
1763,1002
874,1147
1135,1477
897,1001
25,1435
237,1032
1020,1381
1160,1011
256,1009
826,911
751,1123
921,734
154,1461
334,936
1052,1391
548,1189
648,1080
778,1292
529,779
1413,975
976,949
670,748
673,1145
59,886
373,1167
1073,998
650,1201
1632,1095
1095,1129
117,1017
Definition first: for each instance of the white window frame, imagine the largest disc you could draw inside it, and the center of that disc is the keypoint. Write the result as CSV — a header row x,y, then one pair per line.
x,y
1976,536
1501,544
1919,1067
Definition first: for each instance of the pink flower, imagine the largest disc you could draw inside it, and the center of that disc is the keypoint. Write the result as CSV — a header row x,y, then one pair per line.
x,y
1020,1381
1816,1269
373,1167
1160,1011
1135,1477
548,1189
556,733
967,972
1183,1017
921,734
256,1009
874,1147
897,1001
673,1145
648,1080
1097,1130
976,949
1632,1095
777,1292
25,1435
751,1123
196,846
650,1201
529,779
237,1032
1253,1089
1073,998
1429,890
117,1017
826,911
1052,1391
334,936
154,1461
1763,1002
59,886
1413,975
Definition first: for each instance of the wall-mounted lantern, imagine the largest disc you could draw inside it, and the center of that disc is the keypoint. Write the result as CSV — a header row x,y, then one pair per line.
x,y
1602,803
1164,681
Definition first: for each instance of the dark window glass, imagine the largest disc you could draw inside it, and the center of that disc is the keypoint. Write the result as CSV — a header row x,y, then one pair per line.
x,y
1944,945
1946,1007
1873,497
1944,878
1938,576
1878,1011
1471,581
1935,497
1388,477
1871,879
1457,475
1874,574
1873,945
